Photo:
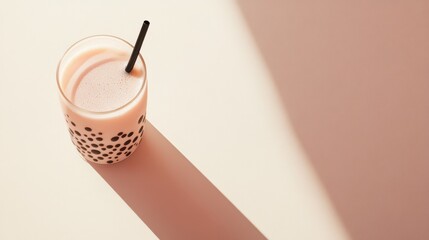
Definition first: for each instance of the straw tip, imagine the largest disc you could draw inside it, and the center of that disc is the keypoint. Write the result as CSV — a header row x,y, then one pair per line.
x,y
146,22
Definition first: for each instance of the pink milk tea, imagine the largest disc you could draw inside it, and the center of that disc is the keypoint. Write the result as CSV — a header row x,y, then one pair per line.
x,y
104,106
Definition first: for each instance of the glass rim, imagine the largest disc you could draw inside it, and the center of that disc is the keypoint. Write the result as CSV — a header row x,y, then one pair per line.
x,y
99,112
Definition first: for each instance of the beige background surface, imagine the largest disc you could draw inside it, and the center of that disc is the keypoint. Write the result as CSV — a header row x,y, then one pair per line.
x,y
214,93
210,95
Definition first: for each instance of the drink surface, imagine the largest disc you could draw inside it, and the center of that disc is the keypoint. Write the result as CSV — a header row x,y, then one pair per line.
x,y
96,80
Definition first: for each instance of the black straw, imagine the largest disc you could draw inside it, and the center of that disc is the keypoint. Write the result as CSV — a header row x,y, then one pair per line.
x,y
137,47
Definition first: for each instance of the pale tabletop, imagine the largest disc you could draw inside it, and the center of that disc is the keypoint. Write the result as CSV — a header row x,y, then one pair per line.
x,y
213,95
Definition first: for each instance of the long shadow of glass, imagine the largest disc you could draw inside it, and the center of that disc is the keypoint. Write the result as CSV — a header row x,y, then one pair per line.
x,y
172,197
353,78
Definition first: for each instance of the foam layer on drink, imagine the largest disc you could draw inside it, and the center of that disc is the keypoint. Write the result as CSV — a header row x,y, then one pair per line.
x,y
96,80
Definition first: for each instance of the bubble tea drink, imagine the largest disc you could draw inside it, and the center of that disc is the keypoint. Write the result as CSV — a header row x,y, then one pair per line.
x,y
104,106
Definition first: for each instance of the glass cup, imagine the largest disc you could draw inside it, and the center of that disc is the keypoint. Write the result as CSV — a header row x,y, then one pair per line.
x,y
103,137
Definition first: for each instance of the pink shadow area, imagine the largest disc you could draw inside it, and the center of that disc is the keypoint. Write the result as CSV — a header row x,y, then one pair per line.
x,y
171,196
354,80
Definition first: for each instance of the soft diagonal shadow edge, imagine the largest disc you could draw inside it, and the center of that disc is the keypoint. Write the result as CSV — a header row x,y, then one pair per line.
x,y
352,79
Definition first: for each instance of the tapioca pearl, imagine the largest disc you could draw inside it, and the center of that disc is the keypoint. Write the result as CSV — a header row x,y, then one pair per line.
x,y
127,142
99,139
67,115
95,160
130,134
100,158
101,144
90,139
95,151
74,125
84,148
135,139
87,146
127,154
89,155
76,138
71,131
105,155
119,153
88,129
140,119
78,142
94,145
110,157
130,147
116,157
117,145
120,133
114,139
124,135
92,134
110,152
103,149
115,149
141,129
100,133
109,146
83,140
122,148
110,161
77,133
